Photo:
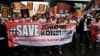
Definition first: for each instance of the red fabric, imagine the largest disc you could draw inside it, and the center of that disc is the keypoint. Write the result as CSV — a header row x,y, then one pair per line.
x,y
93,31
61,6
68,7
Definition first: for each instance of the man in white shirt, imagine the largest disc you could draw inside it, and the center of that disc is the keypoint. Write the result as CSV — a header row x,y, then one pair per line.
x,y
84,32
43,18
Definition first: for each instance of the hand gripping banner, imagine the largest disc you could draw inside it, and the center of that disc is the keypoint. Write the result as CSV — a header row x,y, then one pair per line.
x,y
39,34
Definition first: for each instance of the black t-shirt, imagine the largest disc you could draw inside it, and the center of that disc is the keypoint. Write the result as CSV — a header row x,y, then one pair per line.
x,y
2,30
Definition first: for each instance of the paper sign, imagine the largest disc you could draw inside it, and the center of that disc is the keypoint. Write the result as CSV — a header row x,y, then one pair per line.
x,y
5,12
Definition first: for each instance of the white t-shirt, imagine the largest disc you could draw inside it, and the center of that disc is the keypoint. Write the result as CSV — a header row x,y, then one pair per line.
x,y
42,20
85,25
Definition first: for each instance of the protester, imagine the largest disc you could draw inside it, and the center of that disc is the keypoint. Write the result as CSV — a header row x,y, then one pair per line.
x,y
53,19
43,18
60,21
95,33
48,20
73,20
84,32
34,18
3,38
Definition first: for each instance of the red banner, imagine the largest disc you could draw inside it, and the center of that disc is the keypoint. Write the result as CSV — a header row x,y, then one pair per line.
x,y
39,34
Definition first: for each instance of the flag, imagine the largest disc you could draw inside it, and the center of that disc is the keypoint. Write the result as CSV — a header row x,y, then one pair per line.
x,y
67,8
61,8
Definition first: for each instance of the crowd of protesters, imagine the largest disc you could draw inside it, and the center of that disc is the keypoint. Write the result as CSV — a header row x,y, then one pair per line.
x,y
82,29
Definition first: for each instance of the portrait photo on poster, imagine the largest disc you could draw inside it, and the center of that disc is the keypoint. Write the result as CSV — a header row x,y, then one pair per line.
x,y
24,13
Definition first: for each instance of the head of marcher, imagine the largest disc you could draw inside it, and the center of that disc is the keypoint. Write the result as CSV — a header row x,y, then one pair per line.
x,y
62,18
43,16
97,20
59,20
84,16
48,20
66,17
34,18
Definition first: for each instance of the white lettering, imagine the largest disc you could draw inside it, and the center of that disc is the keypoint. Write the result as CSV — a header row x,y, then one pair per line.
x,y
31,30
25,30
19,32
36,30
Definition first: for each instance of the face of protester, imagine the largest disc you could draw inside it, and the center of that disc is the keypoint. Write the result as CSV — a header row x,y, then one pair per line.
x,y
47,16
38,15
85,17
66,17
43,16
5,21
9,18
59,20
97,20
34,18
13,18
48,20
62,19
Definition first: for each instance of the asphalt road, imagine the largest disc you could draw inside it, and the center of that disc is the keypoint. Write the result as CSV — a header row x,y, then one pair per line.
x,y
42,51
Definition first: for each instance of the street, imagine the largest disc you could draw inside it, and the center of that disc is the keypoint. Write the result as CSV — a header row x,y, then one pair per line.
x,y
42,51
